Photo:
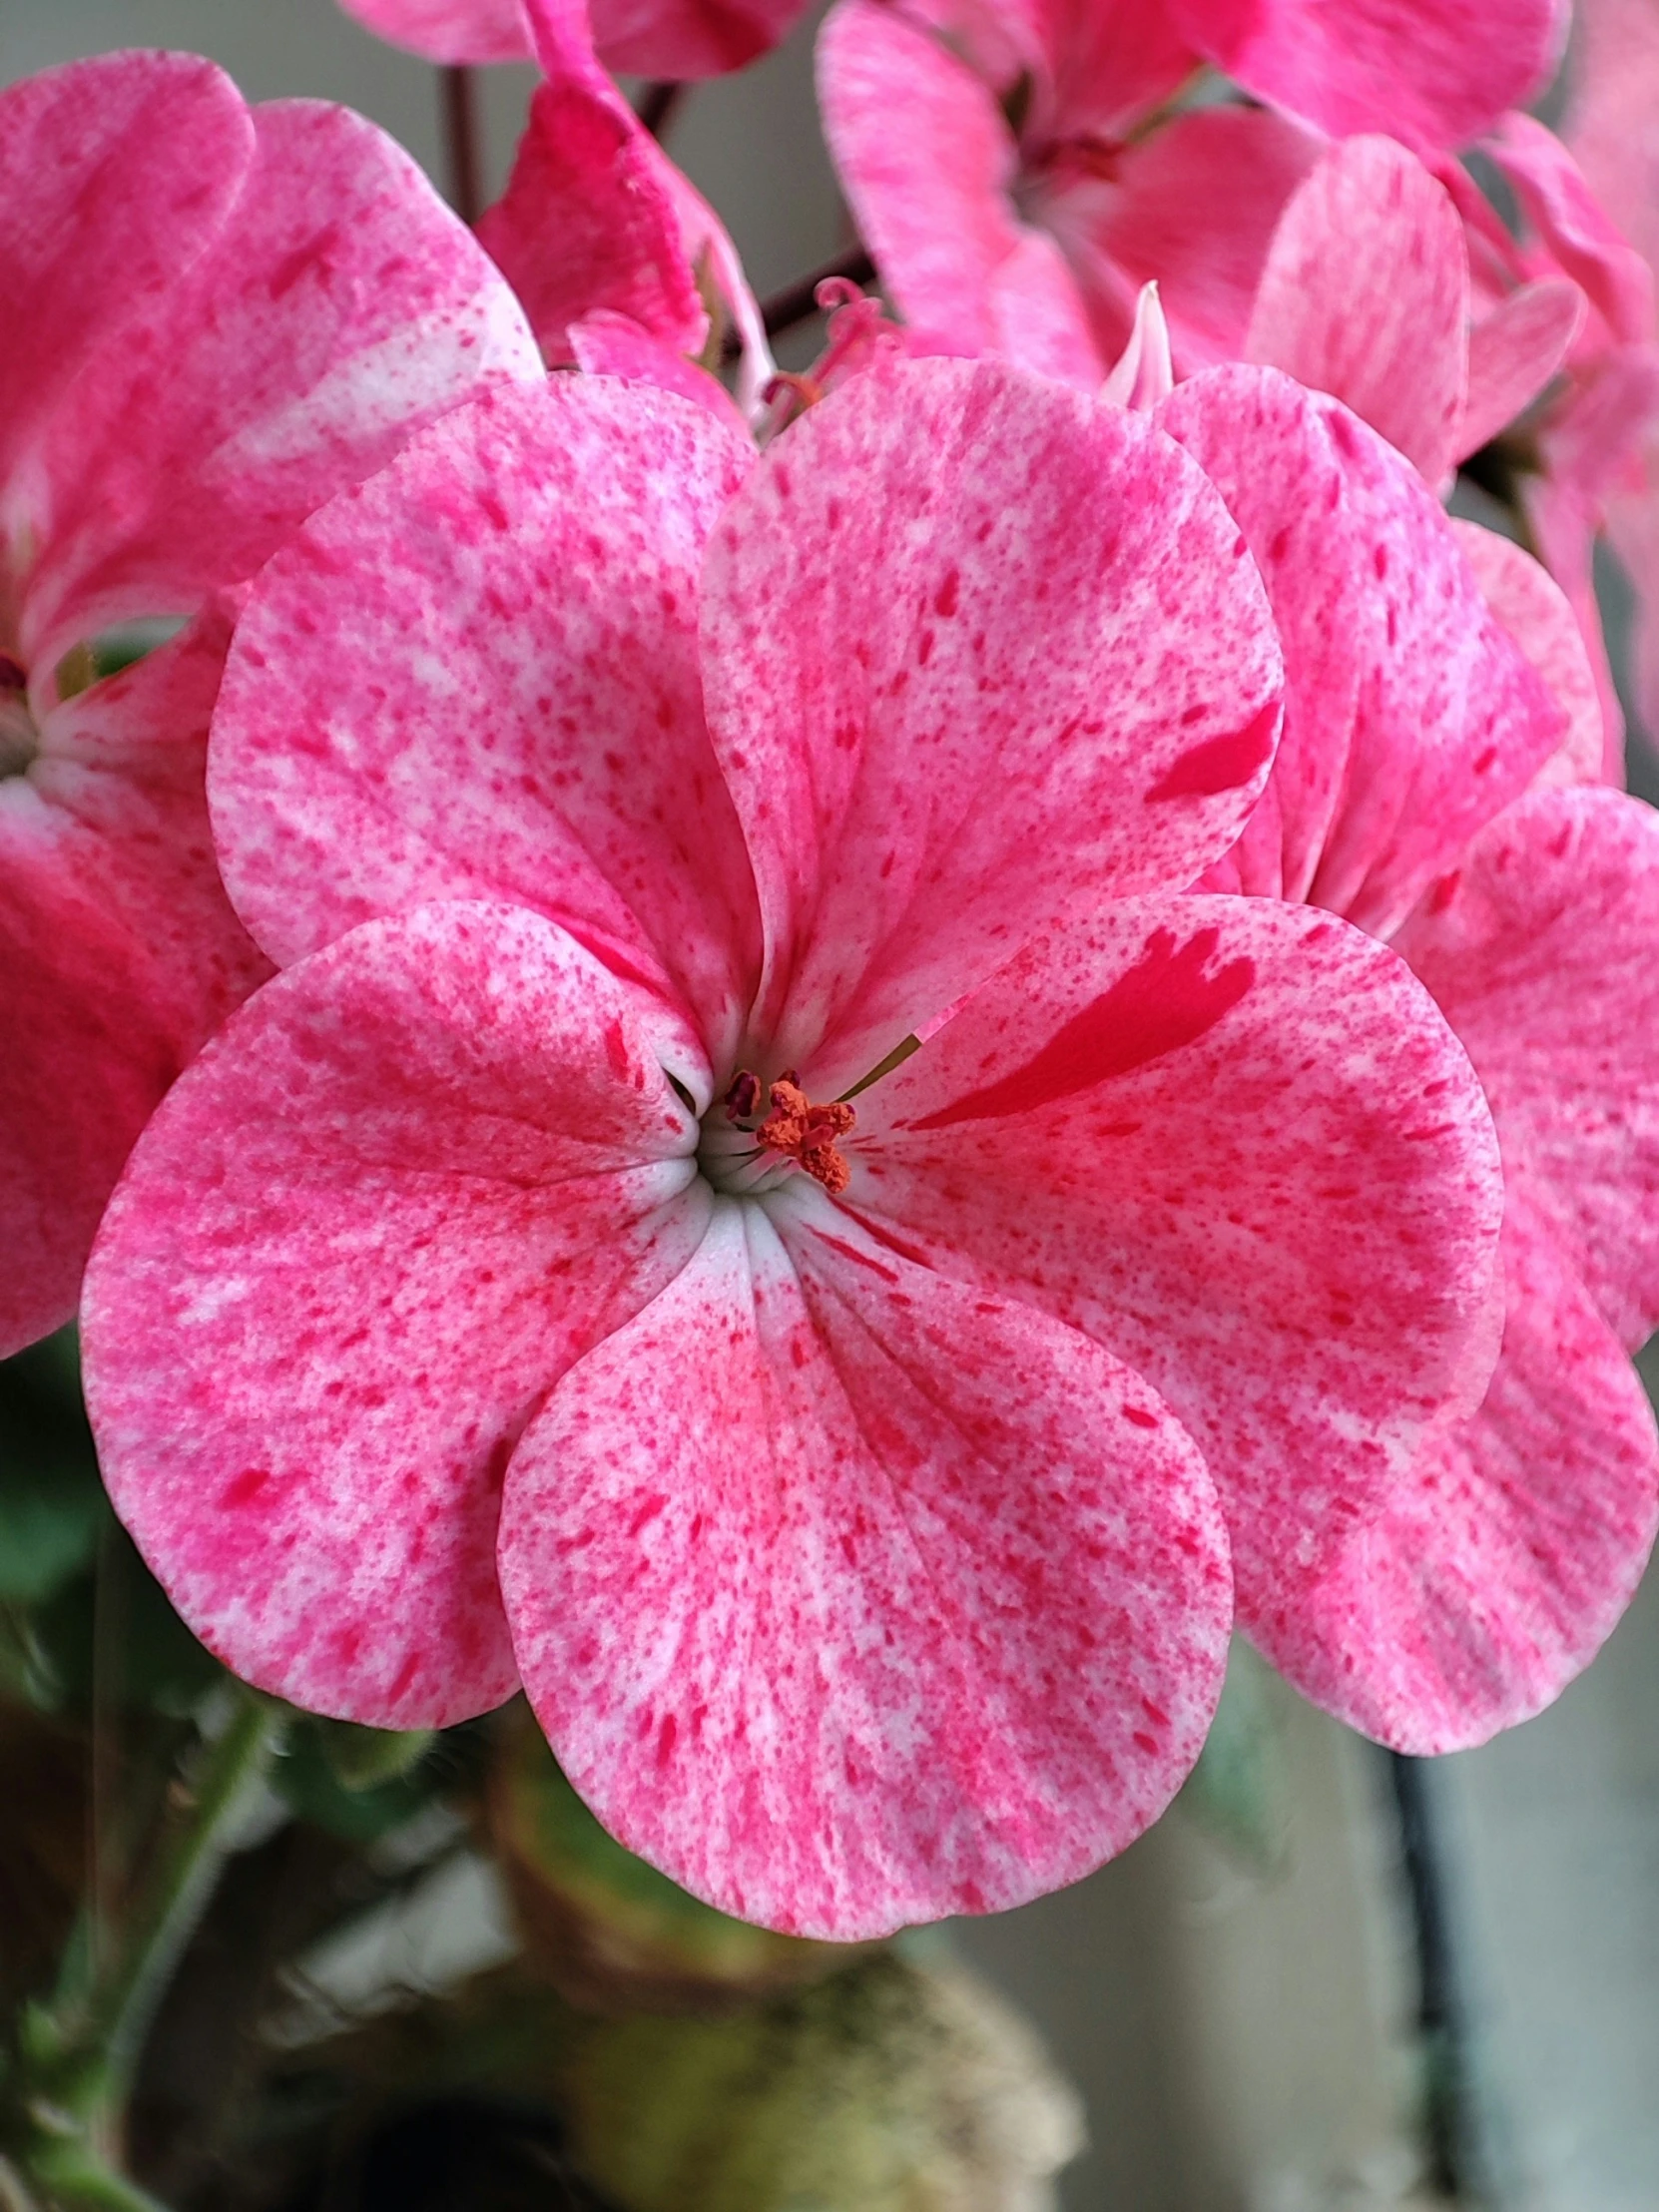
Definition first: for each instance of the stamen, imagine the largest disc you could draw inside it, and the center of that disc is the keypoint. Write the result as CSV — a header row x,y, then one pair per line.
x,y
806,1133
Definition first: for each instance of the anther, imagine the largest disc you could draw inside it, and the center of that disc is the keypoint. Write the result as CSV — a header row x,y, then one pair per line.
x,y
807,1134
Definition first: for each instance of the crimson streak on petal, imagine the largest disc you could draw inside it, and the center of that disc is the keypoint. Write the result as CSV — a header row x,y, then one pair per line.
x,y
1163,1003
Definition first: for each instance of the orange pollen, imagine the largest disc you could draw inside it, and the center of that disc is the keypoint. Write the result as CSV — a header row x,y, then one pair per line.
x,y
807,1134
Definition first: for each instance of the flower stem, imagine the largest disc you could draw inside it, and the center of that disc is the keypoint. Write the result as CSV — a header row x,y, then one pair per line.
x,y
80,2055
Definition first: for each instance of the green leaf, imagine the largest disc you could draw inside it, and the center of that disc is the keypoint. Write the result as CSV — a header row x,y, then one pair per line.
x,y
327,1775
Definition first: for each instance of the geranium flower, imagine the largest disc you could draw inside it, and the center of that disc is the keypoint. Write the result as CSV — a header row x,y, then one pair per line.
x,y
674,39
1017,174
1410,795
224,314
574,1266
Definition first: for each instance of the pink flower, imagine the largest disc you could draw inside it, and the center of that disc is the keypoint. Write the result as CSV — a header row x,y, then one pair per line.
x,y
1033,182
1419,791
573,1266
674,39
221,316
614,253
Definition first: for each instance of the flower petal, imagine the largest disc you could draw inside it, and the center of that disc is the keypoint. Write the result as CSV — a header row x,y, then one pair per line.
x,y
115,173
587,220
1500,1571
932,200
1193,208
342,305
851,1597
1513,352
404,1188
1536,613
1366,296
512,706
1235,1142
685,40
119,955
1411,714
974,647
1540,950
1434,73
449,31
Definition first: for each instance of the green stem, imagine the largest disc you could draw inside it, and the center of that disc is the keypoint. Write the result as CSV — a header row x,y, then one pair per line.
x,y
122,2009
81,2055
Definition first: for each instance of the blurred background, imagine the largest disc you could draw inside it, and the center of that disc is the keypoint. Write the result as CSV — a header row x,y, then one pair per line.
x,y
1327,1979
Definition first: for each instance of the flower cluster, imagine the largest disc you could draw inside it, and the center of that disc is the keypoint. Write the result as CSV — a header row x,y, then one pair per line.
x,y
834,1066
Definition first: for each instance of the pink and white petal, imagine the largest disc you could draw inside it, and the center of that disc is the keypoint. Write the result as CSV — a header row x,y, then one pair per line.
x,y
850,1596
1270,450
342,306
403,1189
1366,296
685,40
115,175
1535,611
1515,351
449,31
1236,1142
1194,208
1434,73
587,220
120,954
1505,1563
976,648
609,344
932,200
546,743
1450,721
1540,952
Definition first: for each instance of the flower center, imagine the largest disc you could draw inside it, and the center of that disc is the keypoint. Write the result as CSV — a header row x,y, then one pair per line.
x,y
19,740
757,1136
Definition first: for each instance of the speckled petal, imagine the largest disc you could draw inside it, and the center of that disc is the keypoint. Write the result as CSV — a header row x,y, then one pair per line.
x,y
1366,296
932,198
1411,714
1540,949
115,173
398,1194
119,955
1500,1571
851,1596
511,707
975,646
1236,1142
1434,73
342,305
